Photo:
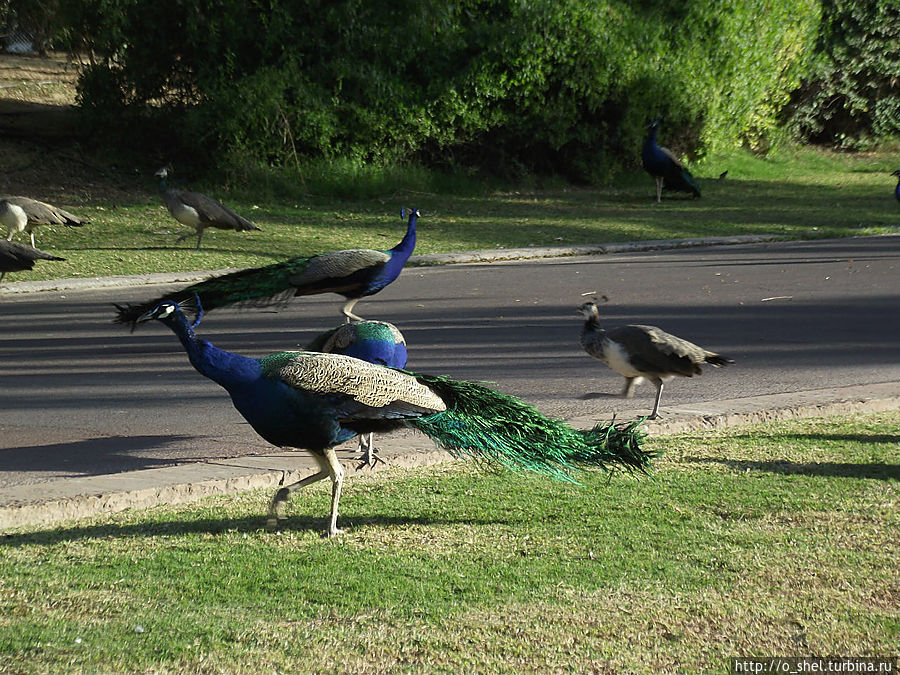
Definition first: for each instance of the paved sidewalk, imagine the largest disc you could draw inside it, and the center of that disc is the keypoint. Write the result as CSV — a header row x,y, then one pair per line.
x,y
47,503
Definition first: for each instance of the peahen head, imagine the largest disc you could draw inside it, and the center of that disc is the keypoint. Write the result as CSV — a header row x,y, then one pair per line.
x,y
590,311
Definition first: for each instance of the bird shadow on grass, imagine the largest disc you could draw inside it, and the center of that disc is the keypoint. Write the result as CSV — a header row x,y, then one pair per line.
x,y
873,471
252,525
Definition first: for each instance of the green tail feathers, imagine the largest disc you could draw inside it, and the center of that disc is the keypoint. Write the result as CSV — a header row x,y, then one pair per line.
x,y
258,285
486,425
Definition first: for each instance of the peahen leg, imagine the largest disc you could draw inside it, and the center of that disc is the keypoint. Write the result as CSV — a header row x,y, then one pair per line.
x,y
33,245
346,310
628,390
659,387
276,507
337,480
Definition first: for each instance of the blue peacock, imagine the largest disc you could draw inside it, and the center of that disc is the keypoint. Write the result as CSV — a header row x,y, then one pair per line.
x,y
354,273
665,167
372,341
897,189
315,401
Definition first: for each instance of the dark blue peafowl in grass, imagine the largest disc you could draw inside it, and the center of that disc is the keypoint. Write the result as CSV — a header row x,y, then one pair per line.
x,y
897,189
353,273
372,341
198,211
315,401
665,168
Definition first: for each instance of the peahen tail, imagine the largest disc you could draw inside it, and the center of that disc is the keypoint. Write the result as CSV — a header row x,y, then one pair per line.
x,y
257,285
486,425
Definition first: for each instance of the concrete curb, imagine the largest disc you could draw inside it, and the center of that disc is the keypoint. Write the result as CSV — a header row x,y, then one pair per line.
x,y
483,256
46,504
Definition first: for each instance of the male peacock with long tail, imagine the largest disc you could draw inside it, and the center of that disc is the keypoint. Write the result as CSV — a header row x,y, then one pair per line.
x,y
665,167
372,341
315,401
353,273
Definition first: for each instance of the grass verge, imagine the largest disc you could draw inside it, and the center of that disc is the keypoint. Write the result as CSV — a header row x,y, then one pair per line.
x,y
798,195
776,539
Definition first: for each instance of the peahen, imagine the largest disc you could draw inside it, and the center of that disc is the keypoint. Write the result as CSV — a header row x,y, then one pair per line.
x,y
18,257
897,189
314,401
372,341
198,211
23,214
639,352
353,273
665,167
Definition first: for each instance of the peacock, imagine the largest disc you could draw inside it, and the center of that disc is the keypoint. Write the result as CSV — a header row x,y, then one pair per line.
x,y
198,211
315,401
666,169
23,214
18,257
897,189
372,341
353,273
639,352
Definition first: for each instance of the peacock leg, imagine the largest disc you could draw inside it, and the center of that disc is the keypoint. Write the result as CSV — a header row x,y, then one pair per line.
x,y
659,387
337,480
199,236
346,310
276,507
659,187
32,239
368,457
628,390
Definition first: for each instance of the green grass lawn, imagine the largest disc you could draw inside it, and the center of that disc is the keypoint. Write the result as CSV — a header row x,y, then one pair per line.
x,y
777,539
796,194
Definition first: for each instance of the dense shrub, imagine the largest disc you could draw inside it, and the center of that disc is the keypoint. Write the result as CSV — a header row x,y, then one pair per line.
x,y
851,93
561,86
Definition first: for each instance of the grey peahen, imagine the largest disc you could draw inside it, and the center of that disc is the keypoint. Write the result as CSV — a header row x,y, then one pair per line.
x,y
897,188
638,352
23,214
314,401
372,341
665,167
198,211
353,273
18,257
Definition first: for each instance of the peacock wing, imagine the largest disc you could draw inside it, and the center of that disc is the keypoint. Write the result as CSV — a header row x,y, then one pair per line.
x,y
671,155
375,391
339,264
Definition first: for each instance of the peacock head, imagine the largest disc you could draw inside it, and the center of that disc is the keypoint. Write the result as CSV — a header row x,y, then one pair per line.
x,y
167,310
896,173
163,172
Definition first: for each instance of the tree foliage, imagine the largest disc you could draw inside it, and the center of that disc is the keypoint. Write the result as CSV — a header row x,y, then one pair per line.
x,y
851,93
561,86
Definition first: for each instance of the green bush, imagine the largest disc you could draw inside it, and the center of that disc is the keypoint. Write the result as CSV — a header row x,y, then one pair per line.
x,y
851,94
511,86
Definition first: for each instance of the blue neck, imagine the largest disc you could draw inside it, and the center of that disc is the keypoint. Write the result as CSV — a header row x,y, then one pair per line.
x,y
223,367
405,248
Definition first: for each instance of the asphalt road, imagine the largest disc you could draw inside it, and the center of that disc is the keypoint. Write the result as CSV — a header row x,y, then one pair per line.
x,y
82,396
